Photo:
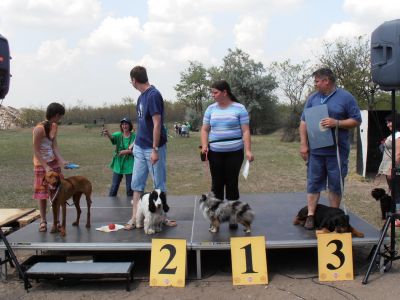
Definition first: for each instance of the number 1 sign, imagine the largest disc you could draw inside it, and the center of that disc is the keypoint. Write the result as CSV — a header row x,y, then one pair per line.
x,y
249,260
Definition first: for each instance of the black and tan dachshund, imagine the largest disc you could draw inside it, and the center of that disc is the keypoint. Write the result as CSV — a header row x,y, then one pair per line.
x,y
328,219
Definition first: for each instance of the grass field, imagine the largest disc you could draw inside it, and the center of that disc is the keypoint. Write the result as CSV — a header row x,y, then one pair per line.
x,y
277,168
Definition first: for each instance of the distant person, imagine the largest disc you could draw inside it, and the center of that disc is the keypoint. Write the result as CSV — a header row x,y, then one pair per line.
x,y
122,161
184,130
225,135
322,163
385,168
46,157
150,148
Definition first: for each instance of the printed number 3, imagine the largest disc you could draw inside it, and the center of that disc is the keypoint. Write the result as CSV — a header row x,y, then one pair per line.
x,y
338,253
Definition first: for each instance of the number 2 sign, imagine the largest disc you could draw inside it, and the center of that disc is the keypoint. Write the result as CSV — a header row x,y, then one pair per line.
x,y
335,256
168,262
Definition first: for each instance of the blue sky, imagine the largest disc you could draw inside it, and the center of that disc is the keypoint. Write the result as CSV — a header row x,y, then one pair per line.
x,y
80,52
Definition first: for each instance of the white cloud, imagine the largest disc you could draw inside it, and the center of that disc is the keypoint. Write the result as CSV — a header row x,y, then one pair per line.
x,y
147,60
113,34
371,10
250,35
54,55
49,14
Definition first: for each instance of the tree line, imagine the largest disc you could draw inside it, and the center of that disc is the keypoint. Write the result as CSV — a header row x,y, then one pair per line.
x,y
274,95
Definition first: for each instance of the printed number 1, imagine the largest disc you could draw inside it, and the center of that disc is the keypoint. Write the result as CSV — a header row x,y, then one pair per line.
x,y
249,259
172,253
338,253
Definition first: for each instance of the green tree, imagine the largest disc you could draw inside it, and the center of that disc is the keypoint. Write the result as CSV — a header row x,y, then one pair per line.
x,y
193,88
253,87
294,82
350,60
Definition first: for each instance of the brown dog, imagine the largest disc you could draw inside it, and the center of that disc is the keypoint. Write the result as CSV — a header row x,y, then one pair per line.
x,y
63,189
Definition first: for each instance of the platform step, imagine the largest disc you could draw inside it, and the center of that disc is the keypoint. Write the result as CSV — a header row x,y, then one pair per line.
x,y
82,270
25,220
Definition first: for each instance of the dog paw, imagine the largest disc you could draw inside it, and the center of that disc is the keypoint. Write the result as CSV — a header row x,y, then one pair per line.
x,y
213,229
247,230
150,231
87,225
75,223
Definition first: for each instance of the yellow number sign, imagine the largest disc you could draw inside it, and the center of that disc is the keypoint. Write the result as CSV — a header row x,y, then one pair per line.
x,y
168,262
335,256
249,260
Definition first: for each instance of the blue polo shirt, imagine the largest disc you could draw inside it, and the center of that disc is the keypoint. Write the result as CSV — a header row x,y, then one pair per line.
x,y
341,106
149,103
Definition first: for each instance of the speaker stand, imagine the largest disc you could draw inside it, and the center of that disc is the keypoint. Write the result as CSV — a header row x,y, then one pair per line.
x,y
389,253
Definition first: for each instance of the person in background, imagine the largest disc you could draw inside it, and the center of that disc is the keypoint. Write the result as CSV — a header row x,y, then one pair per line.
x,y
122,161
385,168
322,163
150,148
225,136
46,157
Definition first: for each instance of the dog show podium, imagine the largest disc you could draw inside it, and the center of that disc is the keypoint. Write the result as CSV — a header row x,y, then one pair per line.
x,y
274,214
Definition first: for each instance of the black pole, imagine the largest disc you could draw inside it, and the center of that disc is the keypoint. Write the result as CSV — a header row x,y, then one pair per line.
x,y
391,217
394,175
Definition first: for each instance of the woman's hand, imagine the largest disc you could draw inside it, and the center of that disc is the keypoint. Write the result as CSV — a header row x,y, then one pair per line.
x,y
106,133
249,156
204,149
124,152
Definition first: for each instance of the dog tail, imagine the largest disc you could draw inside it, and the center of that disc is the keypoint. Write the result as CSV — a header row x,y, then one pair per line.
x,y
245,212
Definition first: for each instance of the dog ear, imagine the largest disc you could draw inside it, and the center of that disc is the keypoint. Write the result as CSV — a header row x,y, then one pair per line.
x,y
44,181
152,206
163,198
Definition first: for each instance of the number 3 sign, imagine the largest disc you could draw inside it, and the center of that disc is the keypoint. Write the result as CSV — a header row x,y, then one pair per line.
x,y
168,262
335,256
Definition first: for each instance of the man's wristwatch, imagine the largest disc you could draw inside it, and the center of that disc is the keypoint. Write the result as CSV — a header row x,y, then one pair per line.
x,y
155,149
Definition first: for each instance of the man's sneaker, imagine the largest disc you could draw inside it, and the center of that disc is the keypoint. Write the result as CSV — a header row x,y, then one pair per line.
x,y
309,223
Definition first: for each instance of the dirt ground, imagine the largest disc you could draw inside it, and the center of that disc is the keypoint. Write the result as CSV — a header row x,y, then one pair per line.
x,y
293,274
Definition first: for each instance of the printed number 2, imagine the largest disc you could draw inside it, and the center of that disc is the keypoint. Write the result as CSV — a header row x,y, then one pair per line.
x,y
249,259
172,253
338,253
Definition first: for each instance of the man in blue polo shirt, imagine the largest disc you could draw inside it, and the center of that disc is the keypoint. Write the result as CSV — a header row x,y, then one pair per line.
x,y
323,163
150,149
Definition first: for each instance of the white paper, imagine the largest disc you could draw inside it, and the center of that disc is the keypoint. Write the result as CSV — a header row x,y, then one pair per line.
x,y
246,169
105,228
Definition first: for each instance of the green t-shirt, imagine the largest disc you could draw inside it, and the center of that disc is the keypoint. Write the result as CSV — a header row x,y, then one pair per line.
x,y
122,164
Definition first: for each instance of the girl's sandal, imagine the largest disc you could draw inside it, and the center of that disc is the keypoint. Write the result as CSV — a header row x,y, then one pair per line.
x,y
131,224
43,226
170,223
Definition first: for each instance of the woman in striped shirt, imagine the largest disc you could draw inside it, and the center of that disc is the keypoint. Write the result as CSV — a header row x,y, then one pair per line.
x,y
225,138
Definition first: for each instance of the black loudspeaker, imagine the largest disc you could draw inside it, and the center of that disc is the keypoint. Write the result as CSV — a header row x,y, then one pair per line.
x,y
385,55
4,67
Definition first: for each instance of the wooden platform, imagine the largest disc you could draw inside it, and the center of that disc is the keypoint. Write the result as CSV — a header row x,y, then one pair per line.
x,y
12,219
9,215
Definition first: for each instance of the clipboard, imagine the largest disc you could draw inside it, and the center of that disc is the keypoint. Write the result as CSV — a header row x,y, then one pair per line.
x,y
318,137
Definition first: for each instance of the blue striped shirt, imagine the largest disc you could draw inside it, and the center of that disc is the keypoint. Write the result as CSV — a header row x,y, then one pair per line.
x,y
225,124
